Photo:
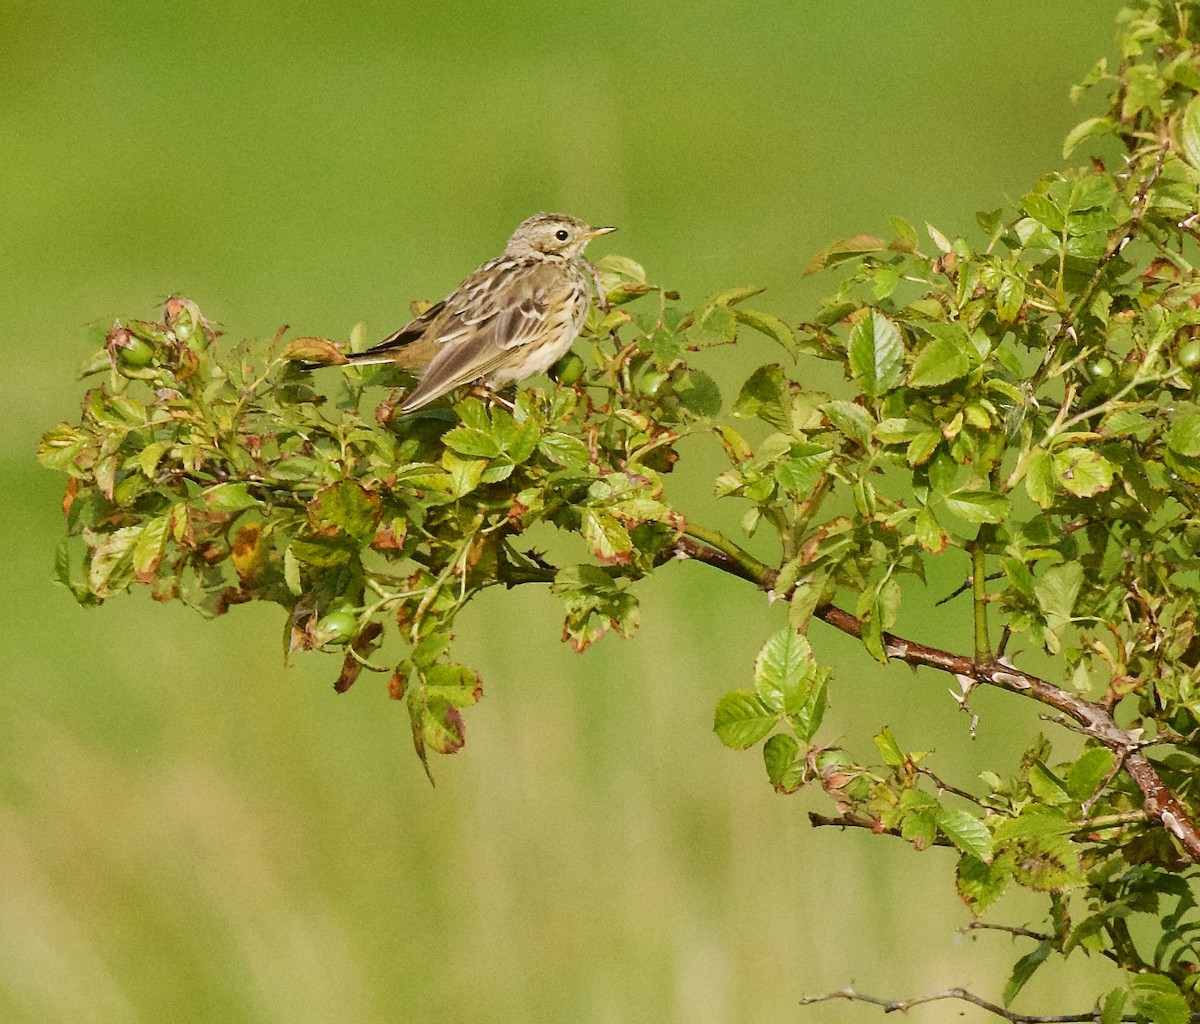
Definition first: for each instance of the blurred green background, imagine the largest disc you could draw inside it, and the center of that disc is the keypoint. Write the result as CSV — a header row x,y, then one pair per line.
x,y
191,831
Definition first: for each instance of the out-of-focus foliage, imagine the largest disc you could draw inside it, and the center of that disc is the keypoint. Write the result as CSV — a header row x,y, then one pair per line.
x,y
1026,399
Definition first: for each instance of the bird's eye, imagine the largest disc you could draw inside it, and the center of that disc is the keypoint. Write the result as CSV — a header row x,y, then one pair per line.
x,y
561,234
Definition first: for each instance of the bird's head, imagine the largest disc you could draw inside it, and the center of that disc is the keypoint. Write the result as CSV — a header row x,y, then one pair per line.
x,y
552,234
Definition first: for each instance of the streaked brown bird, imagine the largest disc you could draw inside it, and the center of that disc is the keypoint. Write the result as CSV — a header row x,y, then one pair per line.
x,y
513,317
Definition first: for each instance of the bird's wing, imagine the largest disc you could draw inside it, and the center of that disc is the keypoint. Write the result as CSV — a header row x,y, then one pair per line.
x,y
502,306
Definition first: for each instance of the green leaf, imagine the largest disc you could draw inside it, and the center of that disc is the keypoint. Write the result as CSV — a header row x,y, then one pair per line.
x,y
471,441
1046,786
807,720
564,450
980,884
844,249
454,683
110,568
1041,209
1035,820
853,421
1086,130
784,670
608,539
742,719
1157,997
765,395
229,498
1183,435
939,362
149,548
465,474
441,726
875,352
978,506
1056,591
1040,481
1045,863
929,532
1023,970
346,506
784,769
1189,132
799,470
889,749
698,393
732,296
1113,1009
1088,772
966,832
1010,297
1083,472
769,325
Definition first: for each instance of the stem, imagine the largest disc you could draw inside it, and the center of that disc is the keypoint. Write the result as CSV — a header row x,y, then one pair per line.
x,y
983,645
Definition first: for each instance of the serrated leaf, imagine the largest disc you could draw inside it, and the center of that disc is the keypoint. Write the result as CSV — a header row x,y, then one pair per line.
x,y
1088,772
1023,970
1083,472
465,474
784,671
929,532
1086,130
1046,786
1041,209
110,567
564,450
889,749
1157,997
875,352
769,325
1040,481
742,719
472,441
149,547
1113,1009
608,539
799,470
441,726
978,506
229,498
1010,297
780,755
938,363
1056,592
980,884
966,832
698,393
347,507
844,249
852,420
1189,132
732,296
1183,435
807,719
314,350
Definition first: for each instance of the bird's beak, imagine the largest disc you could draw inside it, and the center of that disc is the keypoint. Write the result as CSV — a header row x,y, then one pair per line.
x,y
598,231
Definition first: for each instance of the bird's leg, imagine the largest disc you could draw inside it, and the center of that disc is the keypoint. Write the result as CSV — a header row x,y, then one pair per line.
x,y
489,396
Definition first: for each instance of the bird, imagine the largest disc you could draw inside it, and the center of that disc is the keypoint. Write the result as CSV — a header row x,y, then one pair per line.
x,y
513,317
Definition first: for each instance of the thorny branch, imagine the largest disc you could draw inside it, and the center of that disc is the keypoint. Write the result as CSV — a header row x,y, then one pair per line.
x,y
1160,803
960,994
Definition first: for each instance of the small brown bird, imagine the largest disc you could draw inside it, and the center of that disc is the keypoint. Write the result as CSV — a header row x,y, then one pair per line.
x,y
513,317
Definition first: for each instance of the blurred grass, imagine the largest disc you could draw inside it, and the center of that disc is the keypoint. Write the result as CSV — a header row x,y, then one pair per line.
x,y
191,831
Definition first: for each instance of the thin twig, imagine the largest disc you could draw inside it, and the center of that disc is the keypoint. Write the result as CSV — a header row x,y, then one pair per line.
x,y
1013,930
960,994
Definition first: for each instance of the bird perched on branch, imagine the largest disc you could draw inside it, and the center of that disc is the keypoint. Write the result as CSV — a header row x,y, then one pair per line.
x,y
513,317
